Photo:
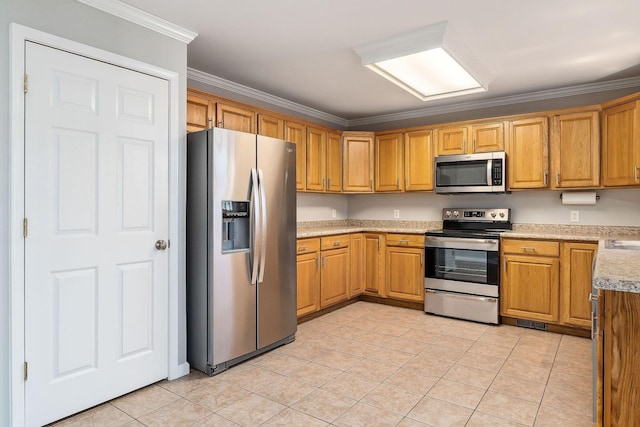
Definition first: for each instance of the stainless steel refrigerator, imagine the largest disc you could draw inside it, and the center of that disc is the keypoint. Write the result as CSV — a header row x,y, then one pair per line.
x,y
241,236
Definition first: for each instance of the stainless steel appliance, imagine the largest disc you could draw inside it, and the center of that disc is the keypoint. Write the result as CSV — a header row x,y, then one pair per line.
x,y
471,173
241,236
462,275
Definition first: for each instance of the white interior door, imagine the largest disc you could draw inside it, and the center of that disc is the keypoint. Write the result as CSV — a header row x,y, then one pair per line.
x,y
96,200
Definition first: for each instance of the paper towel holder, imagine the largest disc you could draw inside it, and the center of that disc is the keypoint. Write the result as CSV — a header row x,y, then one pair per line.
x,y
597,196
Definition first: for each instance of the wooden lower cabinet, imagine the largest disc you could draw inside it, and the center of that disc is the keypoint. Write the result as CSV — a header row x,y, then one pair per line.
x,y
334,276
356,248
575,283
374,264
405,273
547,281
308,283
618,379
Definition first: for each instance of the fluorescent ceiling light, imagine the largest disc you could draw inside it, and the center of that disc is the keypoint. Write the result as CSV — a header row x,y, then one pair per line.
x,y
429,63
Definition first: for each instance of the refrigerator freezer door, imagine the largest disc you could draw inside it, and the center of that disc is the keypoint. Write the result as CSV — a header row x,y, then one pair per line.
x,y
277,291
232,310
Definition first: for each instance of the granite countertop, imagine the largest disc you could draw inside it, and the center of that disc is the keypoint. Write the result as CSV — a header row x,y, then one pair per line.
x,y
615,269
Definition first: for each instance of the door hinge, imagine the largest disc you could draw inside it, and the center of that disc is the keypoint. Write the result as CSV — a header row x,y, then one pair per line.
x,y
25,227
26,83
26,370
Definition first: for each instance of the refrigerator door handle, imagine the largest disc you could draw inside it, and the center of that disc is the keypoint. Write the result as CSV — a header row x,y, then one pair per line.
x,y
263,213
254,255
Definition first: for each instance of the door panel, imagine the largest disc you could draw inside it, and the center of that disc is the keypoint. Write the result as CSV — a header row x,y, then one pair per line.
x,y
96,197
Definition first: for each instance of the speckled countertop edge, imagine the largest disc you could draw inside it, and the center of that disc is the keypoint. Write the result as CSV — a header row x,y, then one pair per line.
x,y
615,269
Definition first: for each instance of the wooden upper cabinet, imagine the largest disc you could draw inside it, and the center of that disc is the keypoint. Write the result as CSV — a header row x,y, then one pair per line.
x,y
389,175
270,126
470,138
357,149
621,145
418,161
200,113
487,137
528,153
334,162
575,150
297,133
316,159
452,140
235,118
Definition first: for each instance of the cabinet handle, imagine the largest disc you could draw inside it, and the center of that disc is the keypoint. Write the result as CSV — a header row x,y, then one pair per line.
x,y
403,241
421,258
371,184
318,264
545,178
635,172
324,261
302,248
329,183
398,183
379,242
557,178
528,248
473,145
324,183
406,183
337,243
210,122
220,123
504,265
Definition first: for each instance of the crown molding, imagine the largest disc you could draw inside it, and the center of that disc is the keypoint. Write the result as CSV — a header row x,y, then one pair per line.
x,y
499,102
247,91
411,114
142,18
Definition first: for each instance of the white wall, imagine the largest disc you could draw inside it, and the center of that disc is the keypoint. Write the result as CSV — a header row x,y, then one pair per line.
x,y
615,207
75,21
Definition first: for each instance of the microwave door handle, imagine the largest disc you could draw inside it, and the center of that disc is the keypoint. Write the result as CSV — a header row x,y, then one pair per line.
x,y
489,170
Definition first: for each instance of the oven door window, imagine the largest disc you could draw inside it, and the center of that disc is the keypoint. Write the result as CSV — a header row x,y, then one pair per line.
x,y
459,174
463,265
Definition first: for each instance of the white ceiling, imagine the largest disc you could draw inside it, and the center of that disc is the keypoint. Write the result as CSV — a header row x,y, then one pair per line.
x,y
302,50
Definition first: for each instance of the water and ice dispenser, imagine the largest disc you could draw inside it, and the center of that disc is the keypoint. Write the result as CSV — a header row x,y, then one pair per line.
x,y
235,225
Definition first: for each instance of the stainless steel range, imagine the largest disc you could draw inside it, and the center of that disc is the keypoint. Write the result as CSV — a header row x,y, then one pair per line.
x,y
462,275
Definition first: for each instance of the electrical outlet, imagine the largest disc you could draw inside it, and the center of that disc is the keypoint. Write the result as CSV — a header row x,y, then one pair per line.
x,y
333,213
396,213
575,216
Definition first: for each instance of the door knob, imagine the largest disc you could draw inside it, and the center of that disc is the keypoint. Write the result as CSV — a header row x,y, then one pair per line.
x,y
161,245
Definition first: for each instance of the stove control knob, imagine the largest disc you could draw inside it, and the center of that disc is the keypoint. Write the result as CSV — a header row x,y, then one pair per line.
x,y
493,214
501,214
456,214
447,213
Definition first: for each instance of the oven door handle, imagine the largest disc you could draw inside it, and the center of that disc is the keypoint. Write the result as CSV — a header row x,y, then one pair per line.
x,y
459,239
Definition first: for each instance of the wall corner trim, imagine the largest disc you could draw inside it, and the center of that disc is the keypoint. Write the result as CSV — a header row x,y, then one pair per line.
x,y
142,18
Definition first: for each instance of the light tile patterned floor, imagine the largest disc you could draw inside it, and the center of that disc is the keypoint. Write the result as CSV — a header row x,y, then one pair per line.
x,y
375,365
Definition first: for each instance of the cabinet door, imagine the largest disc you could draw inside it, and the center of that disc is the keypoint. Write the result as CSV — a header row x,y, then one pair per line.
x,y
270,126
418,161
531,287
621,145
334,162
297,133
528,154
200,113
576,263
358,163
316,159
405,273
487,137
235,118
388,163
575,150
452,140
374,264
308,283
334,277
356,247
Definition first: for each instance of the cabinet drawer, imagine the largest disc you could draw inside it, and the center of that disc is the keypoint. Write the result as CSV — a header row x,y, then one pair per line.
x,y
332,242
304,246
531,247
409,240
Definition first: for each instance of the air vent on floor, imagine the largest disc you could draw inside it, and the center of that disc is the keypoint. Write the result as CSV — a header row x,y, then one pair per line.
x,y
541,326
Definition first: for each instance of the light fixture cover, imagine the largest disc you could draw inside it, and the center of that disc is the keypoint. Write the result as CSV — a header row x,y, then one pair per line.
x,y
430,63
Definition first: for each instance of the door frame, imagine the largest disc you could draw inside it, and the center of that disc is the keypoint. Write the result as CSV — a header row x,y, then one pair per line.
x,y
19,35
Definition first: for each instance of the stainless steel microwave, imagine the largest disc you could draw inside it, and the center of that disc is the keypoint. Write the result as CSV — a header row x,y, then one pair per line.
x,y
471,173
